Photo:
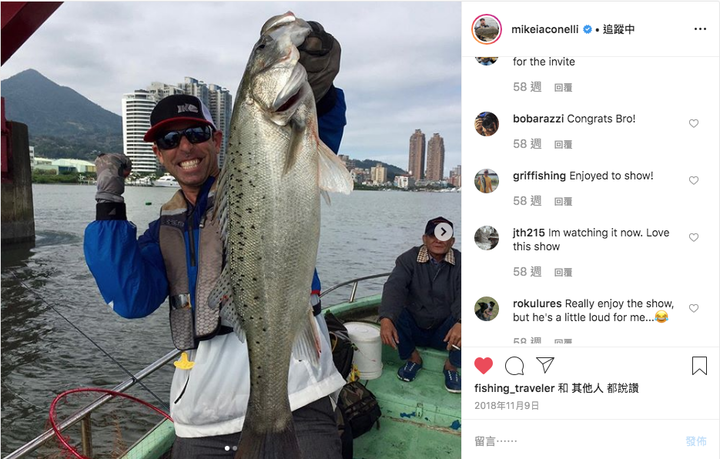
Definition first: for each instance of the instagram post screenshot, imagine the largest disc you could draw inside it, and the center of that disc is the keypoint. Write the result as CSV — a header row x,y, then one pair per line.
x,y
236,229
590,134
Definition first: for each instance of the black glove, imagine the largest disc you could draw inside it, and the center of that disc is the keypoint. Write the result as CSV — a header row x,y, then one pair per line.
x,y
320,55
111,168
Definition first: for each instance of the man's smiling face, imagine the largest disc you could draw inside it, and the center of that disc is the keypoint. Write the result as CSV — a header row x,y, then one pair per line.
x,y
191,164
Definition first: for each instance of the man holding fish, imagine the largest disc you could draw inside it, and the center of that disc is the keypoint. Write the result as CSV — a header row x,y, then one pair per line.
x,y
257,358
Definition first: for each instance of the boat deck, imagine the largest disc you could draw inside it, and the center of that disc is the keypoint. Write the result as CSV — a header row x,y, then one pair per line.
x,y
419,418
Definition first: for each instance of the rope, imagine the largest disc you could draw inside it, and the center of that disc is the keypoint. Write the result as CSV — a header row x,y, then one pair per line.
x,y
162,403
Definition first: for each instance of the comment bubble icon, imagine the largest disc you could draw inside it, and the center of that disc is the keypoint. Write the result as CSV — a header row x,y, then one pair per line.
x,y
515,366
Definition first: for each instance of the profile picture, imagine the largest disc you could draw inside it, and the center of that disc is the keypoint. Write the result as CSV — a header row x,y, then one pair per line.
x,y
486,309
486,60
487,29
487,237
486,181
487,124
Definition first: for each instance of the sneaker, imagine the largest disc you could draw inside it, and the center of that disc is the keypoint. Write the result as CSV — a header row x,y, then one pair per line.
x,y
452,381
408,372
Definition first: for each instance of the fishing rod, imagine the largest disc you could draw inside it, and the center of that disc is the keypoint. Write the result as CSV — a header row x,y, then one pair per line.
x,y
132,376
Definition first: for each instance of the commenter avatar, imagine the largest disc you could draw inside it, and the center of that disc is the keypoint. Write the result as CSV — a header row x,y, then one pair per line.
x,y
487,124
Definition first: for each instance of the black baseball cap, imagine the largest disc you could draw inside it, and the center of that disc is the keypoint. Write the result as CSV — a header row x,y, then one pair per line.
x,y
178,107
431,224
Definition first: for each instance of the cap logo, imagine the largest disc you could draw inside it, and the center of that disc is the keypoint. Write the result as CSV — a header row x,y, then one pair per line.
x,y
187,108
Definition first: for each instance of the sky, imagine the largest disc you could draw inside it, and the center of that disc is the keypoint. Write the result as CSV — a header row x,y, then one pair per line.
x,y
400,67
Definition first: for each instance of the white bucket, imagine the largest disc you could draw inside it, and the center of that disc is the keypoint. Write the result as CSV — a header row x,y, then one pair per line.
x,y
368,355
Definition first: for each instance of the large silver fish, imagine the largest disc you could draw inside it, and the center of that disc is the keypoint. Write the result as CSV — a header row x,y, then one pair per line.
x,y
487,32
269,202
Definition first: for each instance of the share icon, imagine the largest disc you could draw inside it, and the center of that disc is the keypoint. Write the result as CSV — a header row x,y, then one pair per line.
x,y
545,362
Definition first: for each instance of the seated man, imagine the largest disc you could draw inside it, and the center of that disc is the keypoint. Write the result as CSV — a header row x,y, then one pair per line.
x,y
421,303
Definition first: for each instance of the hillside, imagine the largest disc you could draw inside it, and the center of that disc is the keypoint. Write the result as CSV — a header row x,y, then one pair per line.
x,y
392,171
61,122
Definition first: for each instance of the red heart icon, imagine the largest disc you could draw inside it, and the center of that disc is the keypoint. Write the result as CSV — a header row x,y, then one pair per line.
x,y
483,365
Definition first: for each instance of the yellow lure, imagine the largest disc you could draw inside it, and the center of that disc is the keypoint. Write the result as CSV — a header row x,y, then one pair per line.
x,y
184,363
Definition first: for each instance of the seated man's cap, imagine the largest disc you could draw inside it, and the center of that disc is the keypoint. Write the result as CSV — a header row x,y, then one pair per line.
x,y
178,107
431,224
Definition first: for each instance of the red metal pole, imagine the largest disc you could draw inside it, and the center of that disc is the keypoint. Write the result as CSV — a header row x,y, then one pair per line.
x,y
6,147
20,20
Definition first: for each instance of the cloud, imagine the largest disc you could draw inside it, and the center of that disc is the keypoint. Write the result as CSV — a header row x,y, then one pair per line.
x,y
400,60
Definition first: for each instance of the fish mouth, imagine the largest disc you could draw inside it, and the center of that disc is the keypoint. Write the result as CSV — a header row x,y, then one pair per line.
x,y
290,102
289,98
277,21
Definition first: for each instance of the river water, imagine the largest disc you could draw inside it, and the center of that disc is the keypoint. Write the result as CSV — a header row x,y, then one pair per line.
x,y
42,355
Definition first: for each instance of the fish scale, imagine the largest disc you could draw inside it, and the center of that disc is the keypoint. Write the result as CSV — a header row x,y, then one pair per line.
x,y
269,194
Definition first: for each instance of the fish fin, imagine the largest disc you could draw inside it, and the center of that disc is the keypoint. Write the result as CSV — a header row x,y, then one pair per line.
x,y
222,297
307,343
326,196
220,191
227,314
274,444
221,294
334,176
221,211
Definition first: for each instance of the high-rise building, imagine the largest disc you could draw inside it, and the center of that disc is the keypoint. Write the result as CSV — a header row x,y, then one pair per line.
x,y
416,164
220,107
136,109
162,90
378,174
197,88
435,158
456,176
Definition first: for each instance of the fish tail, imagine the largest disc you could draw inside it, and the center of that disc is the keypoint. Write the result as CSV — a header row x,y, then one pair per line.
x,y
269,445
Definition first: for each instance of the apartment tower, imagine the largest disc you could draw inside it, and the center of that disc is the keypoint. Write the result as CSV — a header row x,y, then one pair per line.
x,y
136,109
416,163
435,158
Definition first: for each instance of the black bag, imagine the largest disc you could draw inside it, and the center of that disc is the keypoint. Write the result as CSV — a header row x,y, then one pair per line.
x,y
346,438
342,347
359,407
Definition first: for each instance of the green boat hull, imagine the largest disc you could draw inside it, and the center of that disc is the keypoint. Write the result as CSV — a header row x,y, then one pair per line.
x,y
419,419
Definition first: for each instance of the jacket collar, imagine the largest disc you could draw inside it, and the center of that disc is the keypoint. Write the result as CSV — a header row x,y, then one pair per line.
x,y
424,256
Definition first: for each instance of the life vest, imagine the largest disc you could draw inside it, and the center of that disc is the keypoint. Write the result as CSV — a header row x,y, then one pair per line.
x,y
191,323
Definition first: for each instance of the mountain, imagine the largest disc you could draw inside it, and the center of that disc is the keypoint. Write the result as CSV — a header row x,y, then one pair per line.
x,y
61,122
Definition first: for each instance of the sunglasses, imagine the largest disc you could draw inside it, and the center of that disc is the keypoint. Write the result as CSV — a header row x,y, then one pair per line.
x,y
197,134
